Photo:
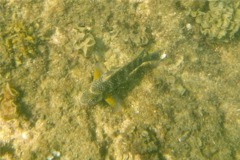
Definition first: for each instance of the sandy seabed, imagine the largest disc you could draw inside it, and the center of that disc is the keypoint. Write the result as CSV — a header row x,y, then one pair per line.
x,y
185,107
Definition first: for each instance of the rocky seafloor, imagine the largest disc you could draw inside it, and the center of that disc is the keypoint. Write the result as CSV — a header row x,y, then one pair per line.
x,y
185,107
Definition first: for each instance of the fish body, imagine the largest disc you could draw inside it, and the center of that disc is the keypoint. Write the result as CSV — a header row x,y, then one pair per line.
x,y
108,82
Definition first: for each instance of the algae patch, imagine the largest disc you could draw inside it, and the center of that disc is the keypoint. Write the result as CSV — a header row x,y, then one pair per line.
x,y
20,41
21,38
218,19
8,108
221,20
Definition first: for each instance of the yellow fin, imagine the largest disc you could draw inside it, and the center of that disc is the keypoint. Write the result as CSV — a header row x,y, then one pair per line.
x,y
111,101
96,74
98,71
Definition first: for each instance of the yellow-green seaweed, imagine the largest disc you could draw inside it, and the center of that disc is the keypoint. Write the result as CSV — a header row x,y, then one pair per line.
x,y
221,20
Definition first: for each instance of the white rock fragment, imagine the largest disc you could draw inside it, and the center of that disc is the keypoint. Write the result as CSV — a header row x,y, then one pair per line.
x,y
163,56
56,154
50,157
189,26
24,136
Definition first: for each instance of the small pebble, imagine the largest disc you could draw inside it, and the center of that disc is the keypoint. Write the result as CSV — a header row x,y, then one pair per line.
x,y
50,157
163,56
56,154
189,26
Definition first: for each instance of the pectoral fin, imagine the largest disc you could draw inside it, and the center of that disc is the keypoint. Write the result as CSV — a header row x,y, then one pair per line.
x,y
98,71
113,101
110,99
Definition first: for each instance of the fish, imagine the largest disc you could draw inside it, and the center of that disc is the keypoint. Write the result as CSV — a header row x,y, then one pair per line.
x,y
104,85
